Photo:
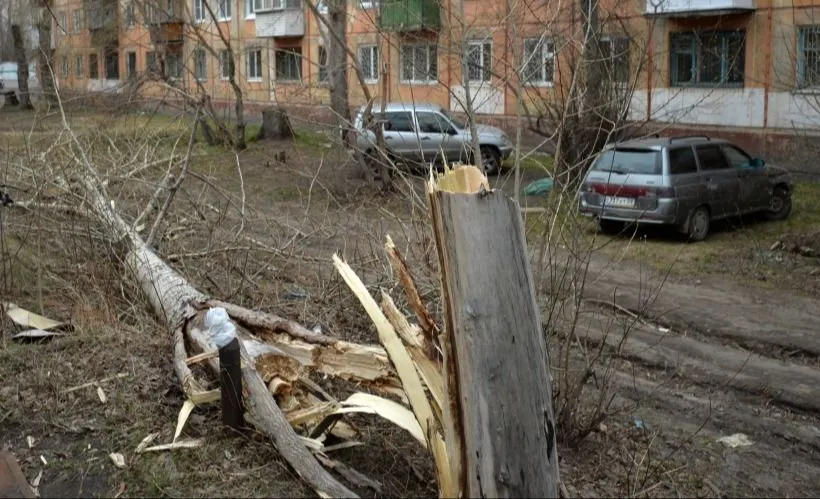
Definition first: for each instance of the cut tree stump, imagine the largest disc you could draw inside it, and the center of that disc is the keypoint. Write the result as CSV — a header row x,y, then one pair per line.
x,y
499,423
275,125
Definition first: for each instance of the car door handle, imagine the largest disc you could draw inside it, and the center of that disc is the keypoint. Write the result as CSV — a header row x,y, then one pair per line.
x,y
425,138
388,138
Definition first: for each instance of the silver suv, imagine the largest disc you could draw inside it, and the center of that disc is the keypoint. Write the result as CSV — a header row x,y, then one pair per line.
x,y
427,133
686,182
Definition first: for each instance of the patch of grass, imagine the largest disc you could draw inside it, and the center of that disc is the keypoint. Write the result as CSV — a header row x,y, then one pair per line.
x,y
534,162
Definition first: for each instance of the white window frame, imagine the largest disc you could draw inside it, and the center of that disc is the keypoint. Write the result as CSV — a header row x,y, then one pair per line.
x,y
544,43
78,67
366,4
65,70
252,76
481,44
78,20
250,10
223,10
199,11
427,46
374,63
200,52
611,41
274,5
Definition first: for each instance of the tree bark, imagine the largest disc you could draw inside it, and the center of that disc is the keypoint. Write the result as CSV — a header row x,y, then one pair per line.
x,y
337,66
499,422
275,125
46,58
22,67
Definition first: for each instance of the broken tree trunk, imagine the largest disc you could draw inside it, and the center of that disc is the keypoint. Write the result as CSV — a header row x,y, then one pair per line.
x,y
275,125
170,295
499,423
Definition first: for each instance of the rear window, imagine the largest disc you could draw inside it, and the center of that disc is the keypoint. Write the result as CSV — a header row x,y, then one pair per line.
x,y
635,161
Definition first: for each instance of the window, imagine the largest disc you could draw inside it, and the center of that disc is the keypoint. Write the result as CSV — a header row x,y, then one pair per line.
x,y
367,4
152,64
808,57
225,63
199,10
262,5
630,160
419,63
112,65
130,64
539,61
78,20
707,59
369,62
682,160
200,64
615,52
173,66
130,19
736,157
64,66
433,123
223,10
93,67
254,63
321,6
401,121
63,27
250,11
479,61
711,158
289,64
323,76
78,67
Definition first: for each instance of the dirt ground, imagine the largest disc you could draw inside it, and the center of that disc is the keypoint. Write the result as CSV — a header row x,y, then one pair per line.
x,y
698,353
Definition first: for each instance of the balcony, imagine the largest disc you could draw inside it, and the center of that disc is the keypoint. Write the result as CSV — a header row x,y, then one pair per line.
x,y
695,8
280,23
165,22
410,15
102,18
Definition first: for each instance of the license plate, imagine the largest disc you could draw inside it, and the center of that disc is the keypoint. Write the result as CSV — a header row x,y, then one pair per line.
x,y
619,202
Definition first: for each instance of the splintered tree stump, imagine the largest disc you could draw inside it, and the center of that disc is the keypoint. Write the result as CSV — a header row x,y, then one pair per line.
x,y
275,125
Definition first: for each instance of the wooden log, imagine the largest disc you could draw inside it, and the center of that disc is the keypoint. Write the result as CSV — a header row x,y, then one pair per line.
x,y
499,422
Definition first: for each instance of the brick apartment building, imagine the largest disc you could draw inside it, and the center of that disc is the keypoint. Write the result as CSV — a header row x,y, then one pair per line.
x,y
742,68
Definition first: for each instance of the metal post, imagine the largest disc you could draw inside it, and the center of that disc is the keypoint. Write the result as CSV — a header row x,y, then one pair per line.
x,y
230,384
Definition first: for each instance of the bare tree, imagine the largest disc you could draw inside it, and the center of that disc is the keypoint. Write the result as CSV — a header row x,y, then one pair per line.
x,y
46,52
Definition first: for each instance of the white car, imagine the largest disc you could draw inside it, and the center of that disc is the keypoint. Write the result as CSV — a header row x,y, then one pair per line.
x,y
8,76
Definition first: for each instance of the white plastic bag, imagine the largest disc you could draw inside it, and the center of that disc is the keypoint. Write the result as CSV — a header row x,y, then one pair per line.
x,y
219,324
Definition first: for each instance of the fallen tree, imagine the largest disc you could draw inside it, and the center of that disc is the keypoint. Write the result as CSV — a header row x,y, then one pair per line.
x,y
476,442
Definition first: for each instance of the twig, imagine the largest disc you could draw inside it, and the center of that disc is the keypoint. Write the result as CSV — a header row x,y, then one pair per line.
x,y
153,203
94,383
149,241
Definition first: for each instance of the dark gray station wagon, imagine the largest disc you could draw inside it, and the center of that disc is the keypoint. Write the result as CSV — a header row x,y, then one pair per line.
x,y
686,182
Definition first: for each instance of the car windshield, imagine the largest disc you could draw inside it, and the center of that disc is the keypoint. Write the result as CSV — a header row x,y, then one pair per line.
x,y
636,161
460,124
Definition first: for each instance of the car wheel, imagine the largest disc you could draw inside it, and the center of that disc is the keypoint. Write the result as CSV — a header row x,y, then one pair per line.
x,y
780,205
610,227
490,160
698,225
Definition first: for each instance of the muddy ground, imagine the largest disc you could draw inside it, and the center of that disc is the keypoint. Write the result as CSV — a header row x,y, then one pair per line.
x,y
697,349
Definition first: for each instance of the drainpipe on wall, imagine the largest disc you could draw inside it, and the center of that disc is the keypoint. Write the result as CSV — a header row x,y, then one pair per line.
x,y
650,68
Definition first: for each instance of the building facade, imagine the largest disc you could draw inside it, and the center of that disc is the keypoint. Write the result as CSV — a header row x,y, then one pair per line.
x,y
742,67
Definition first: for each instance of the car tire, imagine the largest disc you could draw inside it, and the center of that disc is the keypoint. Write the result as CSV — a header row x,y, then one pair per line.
x,y
697,227
780,206
490,160
610,227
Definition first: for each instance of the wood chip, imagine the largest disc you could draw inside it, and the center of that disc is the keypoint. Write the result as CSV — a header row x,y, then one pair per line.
x,y
179,444
118,459
101,395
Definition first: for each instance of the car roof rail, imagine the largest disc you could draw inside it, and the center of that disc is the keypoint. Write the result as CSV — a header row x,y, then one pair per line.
x,y
684,137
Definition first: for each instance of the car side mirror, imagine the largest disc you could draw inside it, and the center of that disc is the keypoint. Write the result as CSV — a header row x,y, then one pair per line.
x,y
757,163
